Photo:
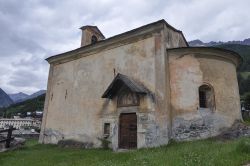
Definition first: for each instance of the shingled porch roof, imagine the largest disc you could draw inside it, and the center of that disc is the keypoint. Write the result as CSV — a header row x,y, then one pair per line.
x,y
122,80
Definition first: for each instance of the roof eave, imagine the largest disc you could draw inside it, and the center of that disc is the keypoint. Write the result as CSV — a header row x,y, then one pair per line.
x,y
212,49
149,28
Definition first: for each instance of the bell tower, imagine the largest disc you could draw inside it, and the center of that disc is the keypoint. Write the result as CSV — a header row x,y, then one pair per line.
x,y
91,35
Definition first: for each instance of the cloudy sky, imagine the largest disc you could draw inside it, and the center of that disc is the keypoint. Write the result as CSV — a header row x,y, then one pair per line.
x,y
32,30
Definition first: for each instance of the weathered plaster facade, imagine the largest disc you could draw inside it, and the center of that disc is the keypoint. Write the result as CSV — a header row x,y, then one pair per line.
x,y
189,69
75,109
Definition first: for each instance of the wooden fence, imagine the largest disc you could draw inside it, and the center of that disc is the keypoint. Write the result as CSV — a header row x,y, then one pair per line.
x,y
9,137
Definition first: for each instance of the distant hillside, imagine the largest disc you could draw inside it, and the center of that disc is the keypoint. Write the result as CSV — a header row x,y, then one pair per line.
x,y
38,93
19,97
30,105
198,43
5,100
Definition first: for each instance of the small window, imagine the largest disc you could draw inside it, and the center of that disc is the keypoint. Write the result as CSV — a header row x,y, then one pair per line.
x,y
94,39
206,97
106,129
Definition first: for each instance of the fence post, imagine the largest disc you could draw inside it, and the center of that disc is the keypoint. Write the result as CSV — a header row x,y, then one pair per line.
x,y
7,145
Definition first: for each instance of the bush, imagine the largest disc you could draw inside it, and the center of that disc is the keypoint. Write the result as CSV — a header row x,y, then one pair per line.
x,y
105,143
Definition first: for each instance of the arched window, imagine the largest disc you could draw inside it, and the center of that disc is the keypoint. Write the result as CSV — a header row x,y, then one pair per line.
x,y
206,96
94,39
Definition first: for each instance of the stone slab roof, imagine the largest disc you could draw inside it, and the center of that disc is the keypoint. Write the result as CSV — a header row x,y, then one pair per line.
x,y
121,80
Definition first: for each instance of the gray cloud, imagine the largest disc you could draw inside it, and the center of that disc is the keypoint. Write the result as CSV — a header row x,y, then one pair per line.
x,y
24,78
32,30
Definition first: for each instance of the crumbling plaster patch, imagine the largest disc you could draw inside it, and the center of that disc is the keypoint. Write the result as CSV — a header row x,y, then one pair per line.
x,y
185,77
187,73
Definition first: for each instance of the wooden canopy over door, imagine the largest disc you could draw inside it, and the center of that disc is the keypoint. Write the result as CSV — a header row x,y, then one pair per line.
x,y
128,131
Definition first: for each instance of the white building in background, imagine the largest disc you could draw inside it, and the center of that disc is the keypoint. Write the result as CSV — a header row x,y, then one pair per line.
x,y
19,123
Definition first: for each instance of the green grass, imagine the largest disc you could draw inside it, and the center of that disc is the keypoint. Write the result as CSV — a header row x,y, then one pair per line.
x,y
205,152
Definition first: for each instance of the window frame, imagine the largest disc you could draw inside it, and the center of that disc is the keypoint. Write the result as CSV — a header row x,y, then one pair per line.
x,y
106,129
211,89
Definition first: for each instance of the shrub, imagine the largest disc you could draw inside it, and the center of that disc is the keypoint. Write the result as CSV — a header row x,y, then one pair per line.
x,y
105,143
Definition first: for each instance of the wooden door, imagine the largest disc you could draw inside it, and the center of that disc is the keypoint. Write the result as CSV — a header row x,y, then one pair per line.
x,y
128,131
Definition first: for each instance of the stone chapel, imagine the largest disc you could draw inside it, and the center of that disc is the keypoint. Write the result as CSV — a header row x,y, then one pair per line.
x,y
140,89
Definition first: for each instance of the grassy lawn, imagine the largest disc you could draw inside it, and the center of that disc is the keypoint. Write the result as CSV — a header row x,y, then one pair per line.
x,y
205,152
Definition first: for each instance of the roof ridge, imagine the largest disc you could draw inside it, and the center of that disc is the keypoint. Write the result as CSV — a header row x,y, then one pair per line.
x,y
162,21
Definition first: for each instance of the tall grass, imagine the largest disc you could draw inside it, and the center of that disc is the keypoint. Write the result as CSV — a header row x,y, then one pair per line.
x,y
202,153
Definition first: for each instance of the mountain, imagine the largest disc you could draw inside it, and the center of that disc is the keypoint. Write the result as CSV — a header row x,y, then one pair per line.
x,y
38,93
199,43
18,96
195,43
5,100
30,105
